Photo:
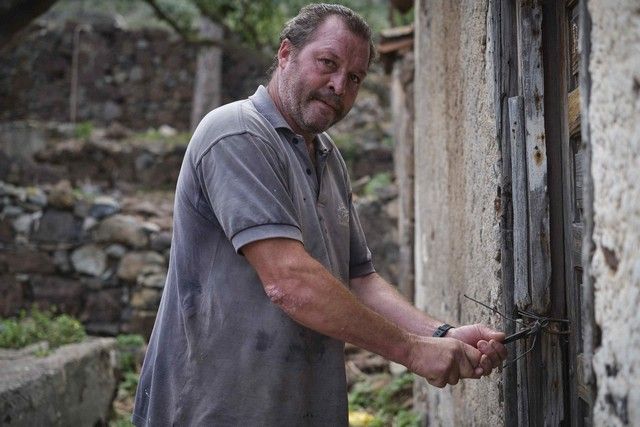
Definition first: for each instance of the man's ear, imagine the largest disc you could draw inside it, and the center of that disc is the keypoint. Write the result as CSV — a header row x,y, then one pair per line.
x,y
285,53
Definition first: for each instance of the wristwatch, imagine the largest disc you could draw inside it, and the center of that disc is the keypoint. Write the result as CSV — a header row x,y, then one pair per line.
x,y
442,330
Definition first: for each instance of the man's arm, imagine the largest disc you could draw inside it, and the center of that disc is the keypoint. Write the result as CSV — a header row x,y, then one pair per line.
x,y
310,295
374,292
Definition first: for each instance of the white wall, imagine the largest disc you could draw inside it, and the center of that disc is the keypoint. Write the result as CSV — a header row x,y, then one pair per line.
x,y
614,120
457,179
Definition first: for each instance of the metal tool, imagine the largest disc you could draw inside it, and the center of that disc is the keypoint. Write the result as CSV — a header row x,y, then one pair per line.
x,y
531,330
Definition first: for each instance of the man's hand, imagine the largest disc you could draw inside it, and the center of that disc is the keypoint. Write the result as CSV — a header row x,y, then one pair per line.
x,y
443,361
486,340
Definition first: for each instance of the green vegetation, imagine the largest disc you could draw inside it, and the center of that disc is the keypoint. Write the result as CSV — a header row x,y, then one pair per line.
x,y
40,326
83,130
255,23
130,348
385,404
157,137
377,182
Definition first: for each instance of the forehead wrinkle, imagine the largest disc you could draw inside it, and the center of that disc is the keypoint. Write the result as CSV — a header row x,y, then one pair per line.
x,y
334,36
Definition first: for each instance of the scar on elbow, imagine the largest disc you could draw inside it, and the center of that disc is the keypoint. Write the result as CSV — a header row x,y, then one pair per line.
x,y
285,300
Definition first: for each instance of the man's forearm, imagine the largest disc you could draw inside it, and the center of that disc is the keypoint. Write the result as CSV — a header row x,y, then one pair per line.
x,y
310,295
374,292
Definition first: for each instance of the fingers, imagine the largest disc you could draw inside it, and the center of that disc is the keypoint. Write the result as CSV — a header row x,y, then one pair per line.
x,y
490,334
495,353
470,363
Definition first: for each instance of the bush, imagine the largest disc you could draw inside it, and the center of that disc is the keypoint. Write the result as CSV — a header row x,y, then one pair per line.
x,y
385,404
40,326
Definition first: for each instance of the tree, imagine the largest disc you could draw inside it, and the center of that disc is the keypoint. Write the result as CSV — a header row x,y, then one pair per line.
x,y
17,14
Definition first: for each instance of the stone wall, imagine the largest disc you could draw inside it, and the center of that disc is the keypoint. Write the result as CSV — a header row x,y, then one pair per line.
x,y
99,259
456,173
140,78
615,137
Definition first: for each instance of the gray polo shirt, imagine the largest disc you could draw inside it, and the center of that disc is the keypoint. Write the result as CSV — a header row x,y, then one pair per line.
x,y
221,353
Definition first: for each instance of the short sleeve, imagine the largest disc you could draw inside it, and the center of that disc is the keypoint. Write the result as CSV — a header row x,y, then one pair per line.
x,y
247,188
360,260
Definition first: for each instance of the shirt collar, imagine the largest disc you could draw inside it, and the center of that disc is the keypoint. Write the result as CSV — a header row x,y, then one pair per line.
x,y
265,106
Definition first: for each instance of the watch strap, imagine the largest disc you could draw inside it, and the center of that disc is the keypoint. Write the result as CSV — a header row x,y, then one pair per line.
x,y
442,330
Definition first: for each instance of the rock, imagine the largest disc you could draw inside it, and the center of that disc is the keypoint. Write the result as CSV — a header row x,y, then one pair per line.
x,y
123,229
36,196
17,193
89,259
155,280
141,323
134,263
41,347
115,250
61,195
12,293
72,386
65,294
117,131
6,231
57,226
161,241
111,111
146,299
103,306
28,261
81,208
167,131
104,206
23,223
12,211
61,260
88,223
150,227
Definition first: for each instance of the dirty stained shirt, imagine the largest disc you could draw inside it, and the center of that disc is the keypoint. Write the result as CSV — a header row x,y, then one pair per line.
x,y
221,353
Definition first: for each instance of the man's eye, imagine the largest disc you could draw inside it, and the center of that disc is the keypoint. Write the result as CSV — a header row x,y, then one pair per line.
x,y
327,62
355,79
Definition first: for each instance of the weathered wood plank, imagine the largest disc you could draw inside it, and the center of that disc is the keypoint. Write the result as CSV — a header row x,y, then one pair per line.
x,y
503,39
552,380
532,89
521,295
573,101
553,387
523,384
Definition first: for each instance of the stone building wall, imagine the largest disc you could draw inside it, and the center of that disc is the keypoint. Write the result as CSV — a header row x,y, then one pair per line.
x,y
457,178
614,120
139,78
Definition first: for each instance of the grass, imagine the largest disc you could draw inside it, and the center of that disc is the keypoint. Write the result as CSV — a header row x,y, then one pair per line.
x,y
157,137
372,405
128,348
83,130
40,326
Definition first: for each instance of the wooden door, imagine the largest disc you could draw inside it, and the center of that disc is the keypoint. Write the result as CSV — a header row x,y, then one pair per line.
x,y
567,157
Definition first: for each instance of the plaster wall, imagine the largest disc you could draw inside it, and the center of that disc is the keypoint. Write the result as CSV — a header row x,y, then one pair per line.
x,y
615,136
457,202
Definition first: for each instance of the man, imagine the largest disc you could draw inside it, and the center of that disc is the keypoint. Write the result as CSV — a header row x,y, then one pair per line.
x,y
269,271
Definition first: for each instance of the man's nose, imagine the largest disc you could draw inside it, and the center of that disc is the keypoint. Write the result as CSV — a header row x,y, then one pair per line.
x,y
338,83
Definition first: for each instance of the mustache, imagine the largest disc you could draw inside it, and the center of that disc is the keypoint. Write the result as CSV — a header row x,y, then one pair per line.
x,y
330,98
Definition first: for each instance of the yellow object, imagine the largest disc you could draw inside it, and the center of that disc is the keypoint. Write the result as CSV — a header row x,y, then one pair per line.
x,y
360,418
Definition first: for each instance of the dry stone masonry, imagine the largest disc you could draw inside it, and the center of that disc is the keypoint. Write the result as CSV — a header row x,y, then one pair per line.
x,y
96,258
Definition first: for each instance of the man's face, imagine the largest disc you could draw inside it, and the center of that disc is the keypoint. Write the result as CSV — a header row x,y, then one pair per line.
x,y
320,82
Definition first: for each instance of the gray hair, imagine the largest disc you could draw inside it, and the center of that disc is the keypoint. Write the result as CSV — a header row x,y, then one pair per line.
x,y
299,30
